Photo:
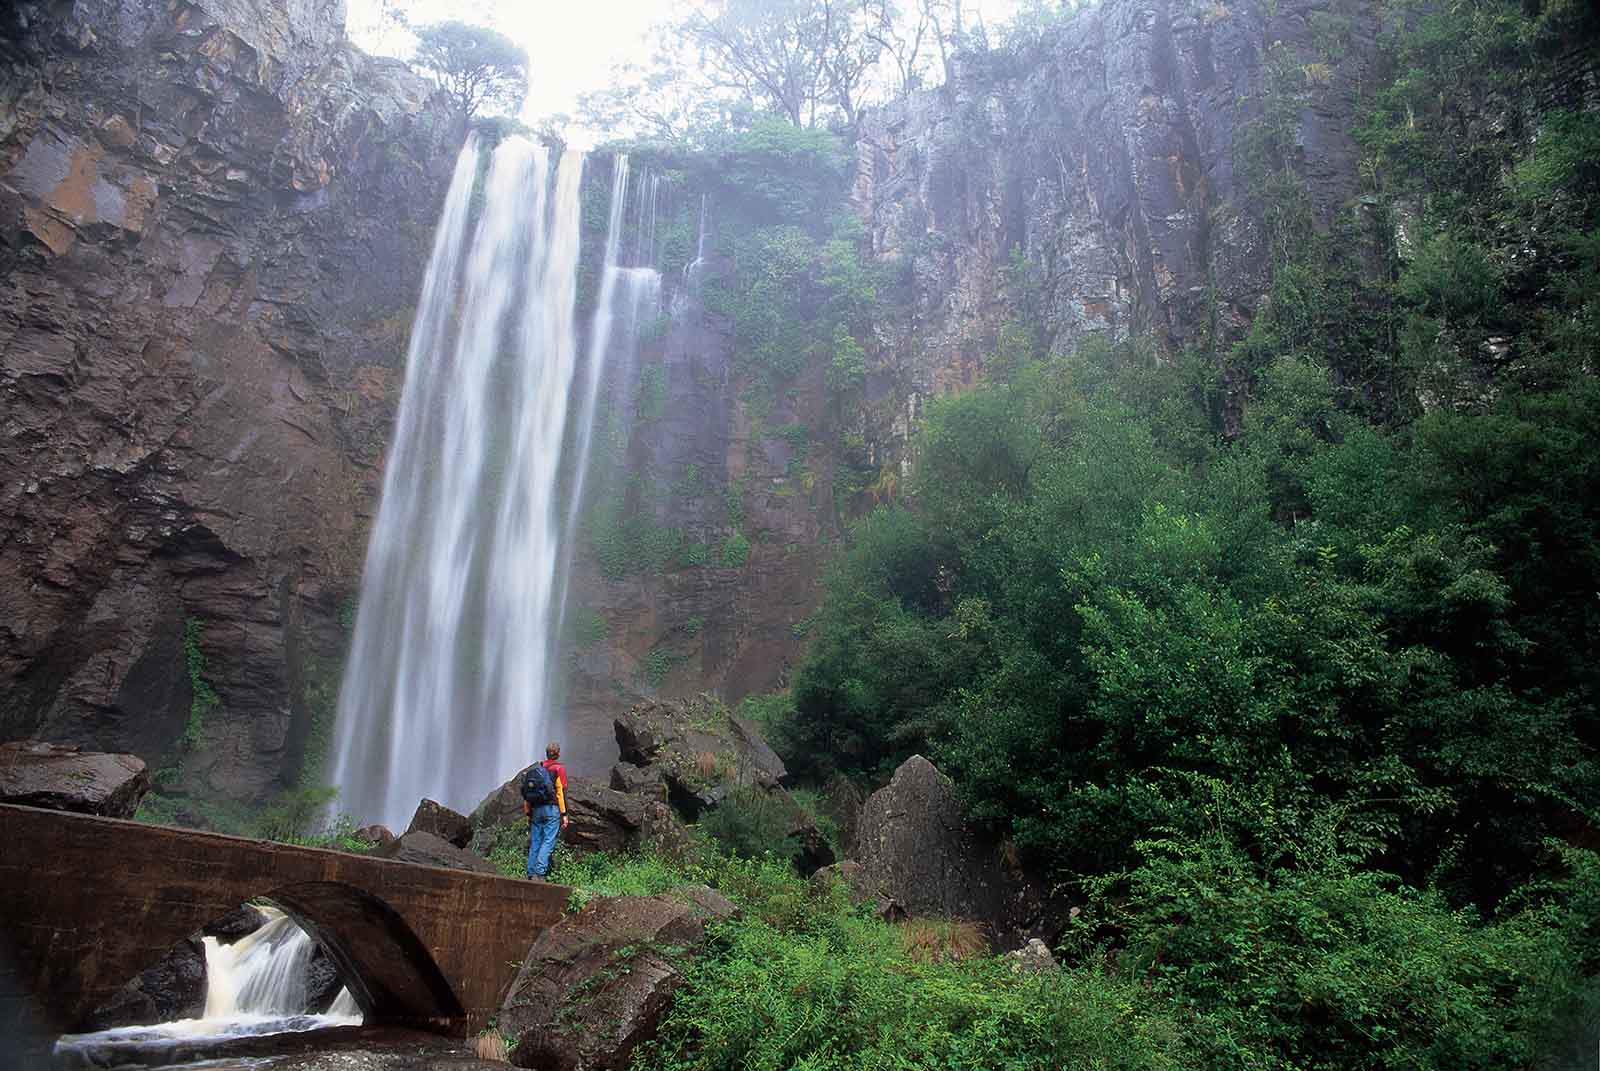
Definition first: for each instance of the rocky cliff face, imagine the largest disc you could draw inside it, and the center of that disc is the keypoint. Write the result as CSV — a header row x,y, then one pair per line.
x,y
1090,180
1085,182
213,221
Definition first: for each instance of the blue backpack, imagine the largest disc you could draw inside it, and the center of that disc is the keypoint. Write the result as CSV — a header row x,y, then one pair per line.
x,y
538,786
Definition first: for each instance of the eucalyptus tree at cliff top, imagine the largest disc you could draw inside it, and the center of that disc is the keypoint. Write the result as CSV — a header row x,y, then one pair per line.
x,y
478,67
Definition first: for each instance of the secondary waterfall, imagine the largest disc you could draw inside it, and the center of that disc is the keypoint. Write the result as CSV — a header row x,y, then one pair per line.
x,y
447,690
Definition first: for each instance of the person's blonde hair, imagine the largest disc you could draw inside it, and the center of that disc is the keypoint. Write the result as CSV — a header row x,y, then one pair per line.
x,y
552,750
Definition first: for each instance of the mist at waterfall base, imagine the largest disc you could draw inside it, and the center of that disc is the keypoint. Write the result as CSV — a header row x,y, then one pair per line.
x,y
448,688
254,986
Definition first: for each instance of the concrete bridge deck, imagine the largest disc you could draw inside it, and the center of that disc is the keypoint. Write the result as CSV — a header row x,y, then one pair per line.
x,y
86,903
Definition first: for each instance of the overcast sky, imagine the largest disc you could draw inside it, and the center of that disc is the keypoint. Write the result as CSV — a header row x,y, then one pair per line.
x,y
572,44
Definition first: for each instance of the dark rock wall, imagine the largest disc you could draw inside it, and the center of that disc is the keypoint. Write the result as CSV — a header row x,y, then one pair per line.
x,y
214,218
1089,180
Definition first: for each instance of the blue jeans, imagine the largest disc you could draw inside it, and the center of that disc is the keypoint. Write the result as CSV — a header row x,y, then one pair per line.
x,y
542,832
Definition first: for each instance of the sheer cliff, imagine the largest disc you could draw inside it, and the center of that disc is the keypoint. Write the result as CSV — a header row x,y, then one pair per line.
x,y
213,222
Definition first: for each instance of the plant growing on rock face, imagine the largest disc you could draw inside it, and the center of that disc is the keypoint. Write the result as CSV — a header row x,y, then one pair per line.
x,y
477,66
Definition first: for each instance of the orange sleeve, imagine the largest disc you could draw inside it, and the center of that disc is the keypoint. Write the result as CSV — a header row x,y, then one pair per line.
x,y
561,795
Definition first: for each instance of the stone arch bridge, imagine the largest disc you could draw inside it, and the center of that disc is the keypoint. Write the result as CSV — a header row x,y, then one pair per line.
x,y
86,903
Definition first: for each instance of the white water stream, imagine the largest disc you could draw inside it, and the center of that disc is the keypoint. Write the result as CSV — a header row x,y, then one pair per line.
x,y
257,985
448,687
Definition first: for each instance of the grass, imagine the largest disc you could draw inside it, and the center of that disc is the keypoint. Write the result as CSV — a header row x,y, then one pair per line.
x,y
803,979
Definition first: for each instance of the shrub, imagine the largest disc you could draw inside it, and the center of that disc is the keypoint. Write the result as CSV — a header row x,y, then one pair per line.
x,y
750,824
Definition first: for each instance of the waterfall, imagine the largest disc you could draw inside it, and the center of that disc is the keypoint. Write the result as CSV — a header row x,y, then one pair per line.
x,y
447,691
256,985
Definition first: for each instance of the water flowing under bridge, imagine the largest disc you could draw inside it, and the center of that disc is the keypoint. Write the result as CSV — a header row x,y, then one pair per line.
x,y
86,903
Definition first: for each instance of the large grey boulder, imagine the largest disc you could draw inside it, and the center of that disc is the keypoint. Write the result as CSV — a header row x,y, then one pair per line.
x,y
37,774
699,748
596,984
917,848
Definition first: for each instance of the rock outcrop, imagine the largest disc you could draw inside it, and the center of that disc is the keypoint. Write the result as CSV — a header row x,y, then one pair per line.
x,y
595,985
198,364
174,988
916,848
706,757
442,822
429,850
63,778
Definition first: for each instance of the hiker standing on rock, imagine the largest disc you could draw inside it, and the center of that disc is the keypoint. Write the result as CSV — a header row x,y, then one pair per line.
x,y
544,801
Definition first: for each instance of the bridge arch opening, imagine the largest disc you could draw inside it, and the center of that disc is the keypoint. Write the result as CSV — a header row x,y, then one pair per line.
x,y
385,965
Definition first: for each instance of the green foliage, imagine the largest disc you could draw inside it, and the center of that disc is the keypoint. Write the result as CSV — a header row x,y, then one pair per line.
x,y
586,627
794,299
751,823
735,551
293,816
1071,608
658,663
1303,962
205,699
477,66
509,850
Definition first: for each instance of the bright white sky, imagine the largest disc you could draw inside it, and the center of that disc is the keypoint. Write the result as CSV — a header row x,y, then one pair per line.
x,y
572,44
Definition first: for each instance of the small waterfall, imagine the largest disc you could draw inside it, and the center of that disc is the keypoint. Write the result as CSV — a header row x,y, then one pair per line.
x,y
263,973
624,292
693,270
447,691
257,985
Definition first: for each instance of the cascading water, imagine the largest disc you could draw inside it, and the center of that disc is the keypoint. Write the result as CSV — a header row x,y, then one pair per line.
x,y
447,688
256,985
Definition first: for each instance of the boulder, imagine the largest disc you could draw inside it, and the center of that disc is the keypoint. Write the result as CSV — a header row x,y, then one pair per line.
x,y
595,985
646,781
1032,958
62,778
240,922
605,820
711,903
322,981
917,848
442,822
174,988
851,874
375,835
842,801
429,850
704,756
699,748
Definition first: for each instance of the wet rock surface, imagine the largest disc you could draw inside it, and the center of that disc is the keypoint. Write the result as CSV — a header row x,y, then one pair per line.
x,y
595,985
64,778
197,364
234,925
174,988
